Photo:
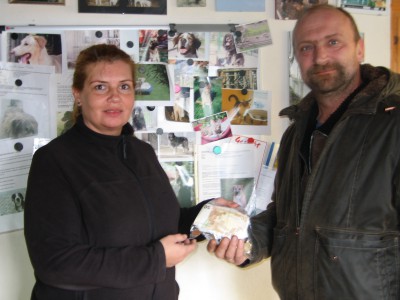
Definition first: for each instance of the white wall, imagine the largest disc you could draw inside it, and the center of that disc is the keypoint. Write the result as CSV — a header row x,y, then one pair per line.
x,y
201,276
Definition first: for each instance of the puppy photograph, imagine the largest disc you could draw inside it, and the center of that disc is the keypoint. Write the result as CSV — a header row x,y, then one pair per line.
x,y
187,45
15,122
36,49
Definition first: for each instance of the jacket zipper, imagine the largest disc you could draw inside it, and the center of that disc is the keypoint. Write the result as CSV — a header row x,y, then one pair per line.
x,y
146,203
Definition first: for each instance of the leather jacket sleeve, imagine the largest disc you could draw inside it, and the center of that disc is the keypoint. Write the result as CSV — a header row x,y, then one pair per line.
x,y
261,233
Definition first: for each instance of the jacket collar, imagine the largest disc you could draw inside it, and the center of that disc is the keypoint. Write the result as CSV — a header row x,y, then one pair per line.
x,y
127,130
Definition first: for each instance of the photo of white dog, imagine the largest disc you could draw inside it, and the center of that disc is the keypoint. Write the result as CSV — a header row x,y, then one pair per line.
x,y
239,195
16,123
32,50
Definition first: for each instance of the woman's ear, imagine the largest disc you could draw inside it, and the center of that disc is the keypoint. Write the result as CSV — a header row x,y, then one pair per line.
x,y
76,95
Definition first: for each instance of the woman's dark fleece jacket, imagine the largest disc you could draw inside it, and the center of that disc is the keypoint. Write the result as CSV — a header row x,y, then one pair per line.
x,y
96,208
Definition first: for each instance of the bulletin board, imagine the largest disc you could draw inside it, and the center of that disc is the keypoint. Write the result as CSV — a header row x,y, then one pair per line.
x,y
197,102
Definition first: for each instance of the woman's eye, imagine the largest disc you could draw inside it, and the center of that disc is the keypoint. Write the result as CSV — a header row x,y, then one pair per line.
x,y
125,87
100,87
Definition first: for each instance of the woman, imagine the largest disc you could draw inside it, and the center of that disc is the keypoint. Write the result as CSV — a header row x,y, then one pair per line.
x,y
101,219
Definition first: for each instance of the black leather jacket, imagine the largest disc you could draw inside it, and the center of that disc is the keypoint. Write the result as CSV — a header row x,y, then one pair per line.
x,y
345,242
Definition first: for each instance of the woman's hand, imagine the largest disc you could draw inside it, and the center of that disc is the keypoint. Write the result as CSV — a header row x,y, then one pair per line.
x,y
177,247
224,202
231,250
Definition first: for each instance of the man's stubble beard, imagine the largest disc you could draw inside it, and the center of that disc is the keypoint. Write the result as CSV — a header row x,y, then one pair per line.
x,y
329,83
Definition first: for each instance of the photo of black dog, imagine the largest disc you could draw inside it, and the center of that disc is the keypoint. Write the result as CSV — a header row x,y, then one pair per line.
x,y
19,201
138,120
176,141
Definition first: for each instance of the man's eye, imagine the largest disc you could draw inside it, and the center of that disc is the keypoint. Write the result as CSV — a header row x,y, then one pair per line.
x,y
306,48
333,42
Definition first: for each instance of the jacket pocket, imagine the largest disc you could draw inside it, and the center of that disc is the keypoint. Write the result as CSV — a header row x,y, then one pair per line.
x,y
356,265
278,261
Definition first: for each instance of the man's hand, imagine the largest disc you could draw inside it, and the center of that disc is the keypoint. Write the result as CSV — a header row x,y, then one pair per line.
x,y
231,250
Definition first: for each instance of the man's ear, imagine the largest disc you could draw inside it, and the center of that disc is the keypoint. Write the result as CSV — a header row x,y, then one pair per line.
x,y
360,50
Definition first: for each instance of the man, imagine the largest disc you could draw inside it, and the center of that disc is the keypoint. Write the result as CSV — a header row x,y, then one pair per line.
x,y
332,230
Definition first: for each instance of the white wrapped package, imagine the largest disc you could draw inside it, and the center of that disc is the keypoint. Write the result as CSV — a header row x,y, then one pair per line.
x,y
217,222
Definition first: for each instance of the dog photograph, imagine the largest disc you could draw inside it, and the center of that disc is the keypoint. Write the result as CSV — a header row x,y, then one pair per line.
x,y
182,179
64,121
144,118
15,122
238,190
36,49
224,54
158,7
19,201
103,2
207,96
152,84
187,45
185,71
213,128
252,36
177,144
179,112
245,78
77,40
138,119
153,45
12,202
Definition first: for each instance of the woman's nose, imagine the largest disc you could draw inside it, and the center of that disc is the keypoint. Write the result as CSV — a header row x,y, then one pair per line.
x,y
114,95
